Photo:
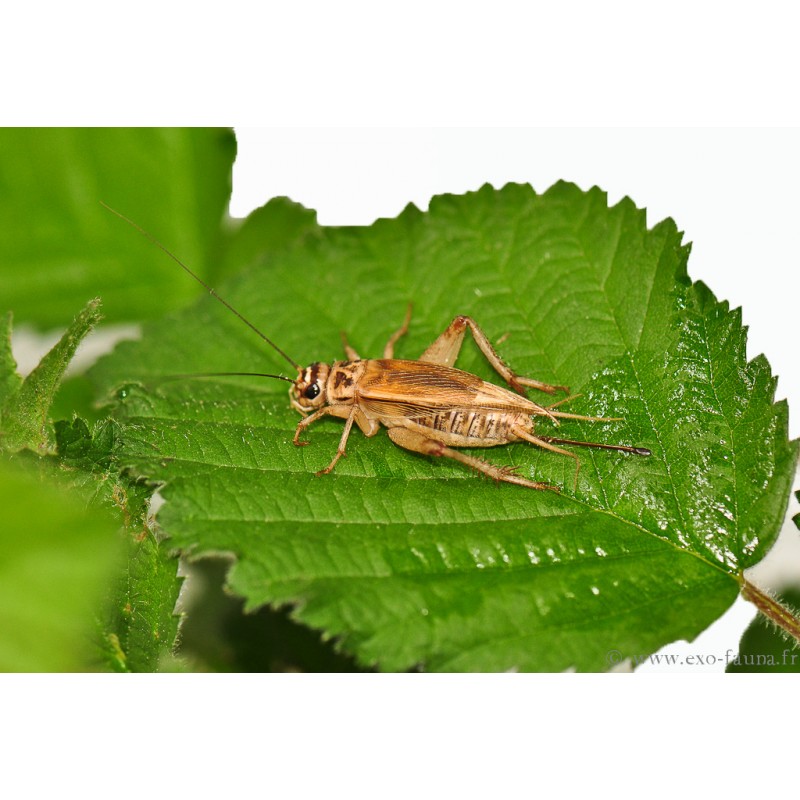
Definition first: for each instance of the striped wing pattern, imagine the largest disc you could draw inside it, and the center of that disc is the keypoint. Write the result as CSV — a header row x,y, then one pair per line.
x,y
412,389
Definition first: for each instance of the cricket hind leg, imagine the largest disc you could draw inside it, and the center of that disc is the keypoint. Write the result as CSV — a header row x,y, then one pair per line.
x,y
446,348
418,443
388,351
545,443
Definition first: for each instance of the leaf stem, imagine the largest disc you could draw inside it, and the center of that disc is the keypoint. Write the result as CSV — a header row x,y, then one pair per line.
x,y
782,616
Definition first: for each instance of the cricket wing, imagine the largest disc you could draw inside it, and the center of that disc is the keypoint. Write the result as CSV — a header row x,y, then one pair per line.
x,y
409,389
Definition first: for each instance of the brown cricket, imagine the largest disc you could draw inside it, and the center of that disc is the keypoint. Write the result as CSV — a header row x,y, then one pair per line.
x,y
427,405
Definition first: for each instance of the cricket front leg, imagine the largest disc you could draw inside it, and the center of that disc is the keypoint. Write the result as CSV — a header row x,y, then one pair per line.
x,y
446,348
419,443
306,421
351,414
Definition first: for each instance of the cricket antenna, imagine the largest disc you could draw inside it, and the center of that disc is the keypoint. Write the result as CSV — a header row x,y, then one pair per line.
x,y
205,286
191,375
638,451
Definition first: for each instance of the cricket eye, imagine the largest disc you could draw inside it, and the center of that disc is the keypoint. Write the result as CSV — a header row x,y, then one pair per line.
x,y
312,391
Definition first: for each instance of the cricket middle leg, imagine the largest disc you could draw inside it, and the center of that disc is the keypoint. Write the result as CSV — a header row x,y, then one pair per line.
x,y
446,348
388,351
349,413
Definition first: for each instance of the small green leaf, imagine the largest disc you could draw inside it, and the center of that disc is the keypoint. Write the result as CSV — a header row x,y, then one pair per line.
x,y
57,559
408,561
25,413
58,245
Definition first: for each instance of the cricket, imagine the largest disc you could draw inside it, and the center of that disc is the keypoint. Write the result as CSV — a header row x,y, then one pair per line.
x,y
427,405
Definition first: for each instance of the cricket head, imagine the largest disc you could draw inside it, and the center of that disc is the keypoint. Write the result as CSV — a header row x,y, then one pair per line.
x,y
308,393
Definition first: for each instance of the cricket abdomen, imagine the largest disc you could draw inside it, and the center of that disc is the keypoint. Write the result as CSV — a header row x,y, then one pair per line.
x,y
473,428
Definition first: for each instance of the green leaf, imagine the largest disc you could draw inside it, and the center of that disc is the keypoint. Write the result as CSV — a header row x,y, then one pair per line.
x,y
410,562
138,630
25,412
58,246
57,559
